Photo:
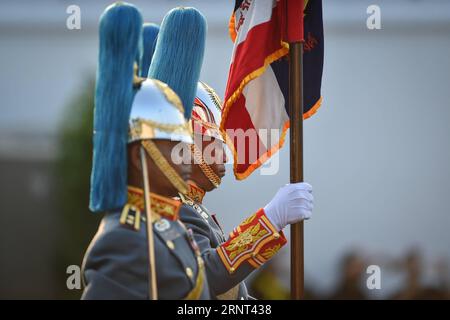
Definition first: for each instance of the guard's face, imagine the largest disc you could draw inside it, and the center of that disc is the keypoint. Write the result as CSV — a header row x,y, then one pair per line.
x,y
156,176
214,154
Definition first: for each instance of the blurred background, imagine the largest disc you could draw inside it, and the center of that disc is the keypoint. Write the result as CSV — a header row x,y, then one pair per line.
x,y
377,152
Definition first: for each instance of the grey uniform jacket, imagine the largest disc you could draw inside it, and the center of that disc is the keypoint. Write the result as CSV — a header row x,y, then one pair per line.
x,y
209,235
116,263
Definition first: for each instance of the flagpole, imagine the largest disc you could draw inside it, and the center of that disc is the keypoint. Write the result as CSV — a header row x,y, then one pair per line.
x,y
296,162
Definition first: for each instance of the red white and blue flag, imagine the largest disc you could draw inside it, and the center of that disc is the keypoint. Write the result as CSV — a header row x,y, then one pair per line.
x,y
255,116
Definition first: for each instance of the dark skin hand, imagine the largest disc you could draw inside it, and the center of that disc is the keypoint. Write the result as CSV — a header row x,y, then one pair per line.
x,y
215,156
159,184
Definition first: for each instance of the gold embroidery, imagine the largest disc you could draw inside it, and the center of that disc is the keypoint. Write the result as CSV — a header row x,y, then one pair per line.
x,y
253,263
240,243
248,220
270,252
253,241
163,209
136,197
161,206
195,192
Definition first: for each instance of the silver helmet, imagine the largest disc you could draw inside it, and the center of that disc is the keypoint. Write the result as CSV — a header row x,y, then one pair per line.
x,y
157,113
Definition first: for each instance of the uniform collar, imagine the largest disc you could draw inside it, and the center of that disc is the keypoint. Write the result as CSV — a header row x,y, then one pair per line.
x,y
195,193
161,206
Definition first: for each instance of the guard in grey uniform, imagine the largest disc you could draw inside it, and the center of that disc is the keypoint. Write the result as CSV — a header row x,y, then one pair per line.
x,y
137,123
229,260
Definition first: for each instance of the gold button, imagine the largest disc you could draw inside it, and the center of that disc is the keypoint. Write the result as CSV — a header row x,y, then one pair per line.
x,y
189,272
170,244
276,235
232,269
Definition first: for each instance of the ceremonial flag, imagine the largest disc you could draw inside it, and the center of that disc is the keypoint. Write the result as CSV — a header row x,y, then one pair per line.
x,y
255,115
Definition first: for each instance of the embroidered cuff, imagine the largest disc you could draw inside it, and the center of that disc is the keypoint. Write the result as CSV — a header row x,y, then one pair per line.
x,y
255,240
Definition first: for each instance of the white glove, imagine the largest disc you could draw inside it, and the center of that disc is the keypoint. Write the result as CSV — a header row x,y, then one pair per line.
x,y
292,203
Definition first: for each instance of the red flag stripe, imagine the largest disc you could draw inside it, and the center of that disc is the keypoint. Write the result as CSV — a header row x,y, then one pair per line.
x,y
245,66
259,40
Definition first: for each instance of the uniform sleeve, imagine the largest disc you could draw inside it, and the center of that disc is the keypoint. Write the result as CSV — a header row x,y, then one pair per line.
x,y
249,245
113,271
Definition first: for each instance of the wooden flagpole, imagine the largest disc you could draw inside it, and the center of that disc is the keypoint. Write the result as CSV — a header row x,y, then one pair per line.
x,y
296,141
296,170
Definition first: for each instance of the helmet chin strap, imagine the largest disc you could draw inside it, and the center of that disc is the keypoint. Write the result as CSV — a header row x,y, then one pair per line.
x,y
164,166
206,169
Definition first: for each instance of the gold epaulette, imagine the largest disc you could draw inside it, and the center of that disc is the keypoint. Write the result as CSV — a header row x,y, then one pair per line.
x,y
131,217
254,241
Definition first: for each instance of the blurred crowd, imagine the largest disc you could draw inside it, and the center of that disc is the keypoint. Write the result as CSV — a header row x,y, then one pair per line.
x,y
352,277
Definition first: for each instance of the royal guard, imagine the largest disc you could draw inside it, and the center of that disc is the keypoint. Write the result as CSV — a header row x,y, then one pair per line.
x,y
137,123
229,260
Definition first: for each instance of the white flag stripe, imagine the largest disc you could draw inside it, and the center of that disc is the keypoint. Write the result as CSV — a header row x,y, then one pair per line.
x,y
264,102
253,17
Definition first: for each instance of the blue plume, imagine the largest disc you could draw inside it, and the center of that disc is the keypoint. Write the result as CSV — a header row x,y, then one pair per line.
x,y
149,35
179,53
120,33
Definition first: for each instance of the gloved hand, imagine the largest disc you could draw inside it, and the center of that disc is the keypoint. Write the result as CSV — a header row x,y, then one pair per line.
x,y
292,203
